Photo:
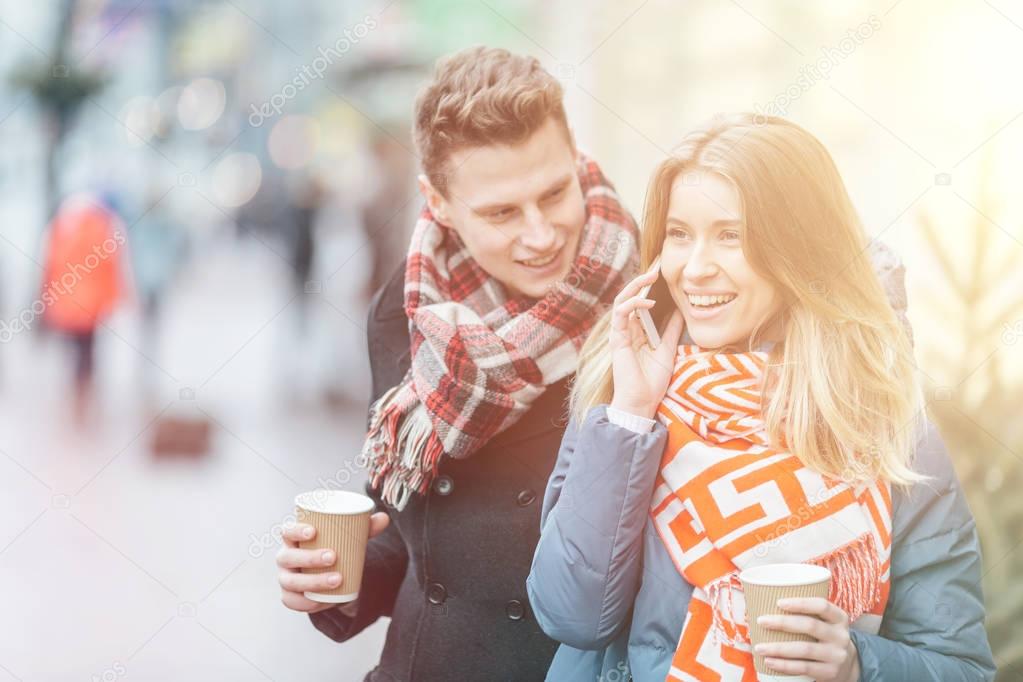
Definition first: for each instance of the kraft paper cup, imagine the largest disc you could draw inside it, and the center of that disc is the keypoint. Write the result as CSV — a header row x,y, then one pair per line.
x,y
763,586
341,519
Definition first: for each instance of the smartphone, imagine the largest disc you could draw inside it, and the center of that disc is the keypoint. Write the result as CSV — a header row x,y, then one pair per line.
x,y
651,319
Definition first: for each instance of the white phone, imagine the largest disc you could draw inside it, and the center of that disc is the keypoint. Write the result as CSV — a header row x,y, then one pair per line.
x,y
646,320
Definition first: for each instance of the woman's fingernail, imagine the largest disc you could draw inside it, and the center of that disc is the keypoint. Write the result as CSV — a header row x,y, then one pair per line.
x,y
307,533
328,557
760,648
334,579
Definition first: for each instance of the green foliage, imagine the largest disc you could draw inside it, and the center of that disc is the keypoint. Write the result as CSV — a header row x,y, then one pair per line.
x,y
979,417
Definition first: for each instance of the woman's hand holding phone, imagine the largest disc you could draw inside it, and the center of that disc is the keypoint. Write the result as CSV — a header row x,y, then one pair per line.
x,y
641,373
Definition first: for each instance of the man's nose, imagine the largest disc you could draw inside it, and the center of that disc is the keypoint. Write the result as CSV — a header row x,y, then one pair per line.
x,y
540,234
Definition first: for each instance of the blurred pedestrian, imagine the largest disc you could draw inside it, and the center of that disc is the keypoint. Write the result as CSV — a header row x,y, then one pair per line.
x,y
82,282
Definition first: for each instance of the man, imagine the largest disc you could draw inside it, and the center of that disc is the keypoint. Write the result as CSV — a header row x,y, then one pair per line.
x,y
522,244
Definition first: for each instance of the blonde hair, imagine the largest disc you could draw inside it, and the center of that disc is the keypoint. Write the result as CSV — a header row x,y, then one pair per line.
x,y
482,96
840,391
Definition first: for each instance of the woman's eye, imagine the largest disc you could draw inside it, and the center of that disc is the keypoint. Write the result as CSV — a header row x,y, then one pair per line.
x,y
677,233
730,235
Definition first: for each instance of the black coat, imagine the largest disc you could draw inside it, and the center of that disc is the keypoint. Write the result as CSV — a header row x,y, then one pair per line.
x,y
451,568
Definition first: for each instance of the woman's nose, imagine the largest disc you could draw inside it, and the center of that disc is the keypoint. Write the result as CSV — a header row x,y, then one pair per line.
x,y
700,263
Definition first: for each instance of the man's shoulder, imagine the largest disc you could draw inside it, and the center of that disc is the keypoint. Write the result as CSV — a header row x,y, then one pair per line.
x,y
389,300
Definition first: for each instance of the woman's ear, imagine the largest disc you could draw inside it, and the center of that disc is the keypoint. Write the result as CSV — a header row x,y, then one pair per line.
x,y
436,202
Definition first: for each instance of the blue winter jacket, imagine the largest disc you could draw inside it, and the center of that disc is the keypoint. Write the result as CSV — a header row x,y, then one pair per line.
x,y
602,582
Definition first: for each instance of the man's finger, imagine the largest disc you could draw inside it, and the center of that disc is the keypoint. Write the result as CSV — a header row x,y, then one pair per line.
x,y
298,532
378,523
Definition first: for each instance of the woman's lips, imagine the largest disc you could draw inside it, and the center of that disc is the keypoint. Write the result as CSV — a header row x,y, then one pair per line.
x,y
698,313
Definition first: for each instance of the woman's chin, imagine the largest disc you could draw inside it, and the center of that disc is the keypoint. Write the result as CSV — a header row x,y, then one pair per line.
x,y
705,336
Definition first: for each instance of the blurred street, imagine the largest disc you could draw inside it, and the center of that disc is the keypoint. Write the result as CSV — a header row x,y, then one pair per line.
x,y
112,557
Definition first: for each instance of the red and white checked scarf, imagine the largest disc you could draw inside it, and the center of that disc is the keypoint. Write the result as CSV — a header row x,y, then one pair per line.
x,y
725,501
479,358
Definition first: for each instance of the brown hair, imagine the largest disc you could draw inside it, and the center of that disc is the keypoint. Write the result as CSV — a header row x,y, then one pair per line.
x,y
482,96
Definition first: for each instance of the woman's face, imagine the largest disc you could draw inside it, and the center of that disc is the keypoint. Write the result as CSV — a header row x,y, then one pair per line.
x,y
721,297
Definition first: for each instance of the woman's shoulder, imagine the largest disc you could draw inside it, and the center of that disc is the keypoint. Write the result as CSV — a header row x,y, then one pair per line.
x,y
937,504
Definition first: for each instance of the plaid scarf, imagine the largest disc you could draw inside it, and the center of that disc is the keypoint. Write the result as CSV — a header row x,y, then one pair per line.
x,y
725,501
480,358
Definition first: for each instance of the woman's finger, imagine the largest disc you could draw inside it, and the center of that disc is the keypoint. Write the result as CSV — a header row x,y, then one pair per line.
x,y
673,331
633,287
622,312
805,625
637,335
812,669
807,651
815,606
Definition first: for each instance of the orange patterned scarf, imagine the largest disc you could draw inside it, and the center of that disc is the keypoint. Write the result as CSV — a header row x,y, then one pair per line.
x,y
726,501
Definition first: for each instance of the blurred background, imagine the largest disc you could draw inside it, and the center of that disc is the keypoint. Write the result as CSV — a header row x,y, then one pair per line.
x,y
248,170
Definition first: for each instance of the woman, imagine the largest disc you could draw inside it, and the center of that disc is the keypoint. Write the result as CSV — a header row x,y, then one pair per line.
x,y
786,431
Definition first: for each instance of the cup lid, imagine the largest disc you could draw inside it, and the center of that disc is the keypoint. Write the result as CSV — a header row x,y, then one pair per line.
x,y
334,502
781,575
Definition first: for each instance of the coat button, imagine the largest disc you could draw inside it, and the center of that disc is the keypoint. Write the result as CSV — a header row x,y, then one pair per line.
x,y
443,485
515,610
436,593
526,498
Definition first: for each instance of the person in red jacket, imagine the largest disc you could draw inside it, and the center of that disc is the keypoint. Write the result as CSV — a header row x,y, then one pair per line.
x,y
82,281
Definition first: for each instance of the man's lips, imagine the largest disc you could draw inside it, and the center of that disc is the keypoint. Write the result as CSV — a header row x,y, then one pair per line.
x,y
540,261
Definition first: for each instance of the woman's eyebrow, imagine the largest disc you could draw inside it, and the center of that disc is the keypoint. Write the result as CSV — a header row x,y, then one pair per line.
x,y
728,222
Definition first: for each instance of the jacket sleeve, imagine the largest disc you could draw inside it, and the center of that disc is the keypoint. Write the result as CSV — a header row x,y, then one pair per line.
x,y
386,554
933,626
587,564
386,562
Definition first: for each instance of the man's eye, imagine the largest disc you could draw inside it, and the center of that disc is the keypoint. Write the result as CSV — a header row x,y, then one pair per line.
x,y
556,193
503,214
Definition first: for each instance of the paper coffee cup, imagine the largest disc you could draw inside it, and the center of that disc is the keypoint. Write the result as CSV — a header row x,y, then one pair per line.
x,y
762,587
341,519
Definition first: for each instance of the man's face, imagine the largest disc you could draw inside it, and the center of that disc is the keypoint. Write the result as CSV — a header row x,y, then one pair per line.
x,y
518,210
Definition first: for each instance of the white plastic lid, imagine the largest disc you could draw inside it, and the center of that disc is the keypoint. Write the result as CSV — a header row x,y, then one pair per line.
x,y
334,502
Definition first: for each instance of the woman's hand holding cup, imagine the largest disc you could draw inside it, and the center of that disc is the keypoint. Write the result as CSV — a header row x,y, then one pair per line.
x,y
291,559
641,374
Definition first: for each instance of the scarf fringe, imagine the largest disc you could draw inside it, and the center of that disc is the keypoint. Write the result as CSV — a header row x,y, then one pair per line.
x,y
855,575
402,449
855,588
728,627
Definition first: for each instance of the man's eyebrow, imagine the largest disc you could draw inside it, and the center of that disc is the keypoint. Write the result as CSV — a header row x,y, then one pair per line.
x,y
491,208
495,207
559,183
